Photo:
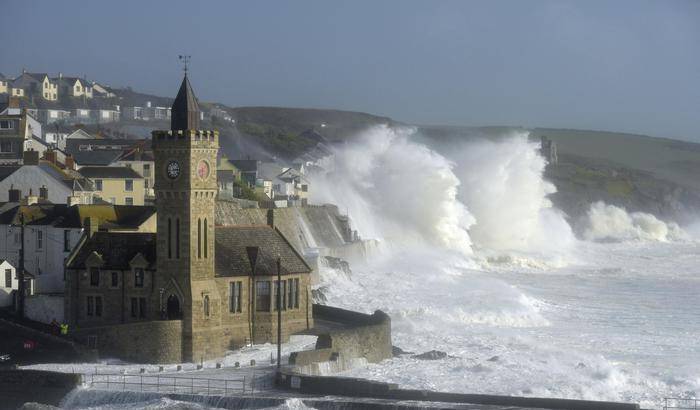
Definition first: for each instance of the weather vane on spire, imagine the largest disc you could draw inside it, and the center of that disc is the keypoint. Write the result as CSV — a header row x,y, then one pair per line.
x,y
185,60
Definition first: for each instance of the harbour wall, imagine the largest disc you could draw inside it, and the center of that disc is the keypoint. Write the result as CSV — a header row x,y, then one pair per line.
x,y
351,336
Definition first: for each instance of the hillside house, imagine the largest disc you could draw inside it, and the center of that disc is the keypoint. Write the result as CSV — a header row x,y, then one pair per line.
x,y
47,181
73,86
116,185
36,85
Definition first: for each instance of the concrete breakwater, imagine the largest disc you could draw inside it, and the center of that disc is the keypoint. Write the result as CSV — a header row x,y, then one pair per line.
x,y
344,338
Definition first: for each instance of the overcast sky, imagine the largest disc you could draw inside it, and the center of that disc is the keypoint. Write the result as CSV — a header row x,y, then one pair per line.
x,y
623,65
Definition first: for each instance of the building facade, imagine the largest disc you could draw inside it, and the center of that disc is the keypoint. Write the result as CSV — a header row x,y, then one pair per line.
x,y
218,283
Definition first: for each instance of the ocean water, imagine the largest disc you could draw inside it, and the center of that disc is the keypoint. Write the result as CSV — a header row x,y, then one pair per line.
x,y
473,260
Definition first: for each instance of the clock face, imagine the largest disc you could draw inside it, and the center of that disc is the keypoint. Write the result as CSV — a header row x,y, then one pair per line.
x,y
203,169
173,169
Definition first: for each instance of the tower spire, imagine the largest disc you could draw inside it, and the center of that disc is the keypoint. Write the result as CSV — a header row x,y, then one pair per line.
x,y
185,109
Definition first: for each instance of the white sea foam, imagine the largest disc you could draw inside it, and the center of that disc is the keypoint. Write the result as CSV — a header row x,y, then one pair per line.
x,y
595,327
612,223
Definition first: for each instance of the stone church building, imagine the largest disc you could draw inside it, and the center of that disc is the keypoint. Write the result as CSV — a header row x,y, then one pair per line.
x,y
193,290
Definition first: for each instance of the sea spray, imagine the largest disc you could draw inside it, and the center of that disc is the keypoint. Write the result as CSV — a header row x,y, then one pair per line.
x,y
503,187
396,189
611,223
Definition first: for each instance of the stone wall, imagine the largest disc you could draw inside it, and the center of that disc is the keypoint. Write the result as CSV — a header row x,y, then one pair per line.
x,y
44,308
358,336
304,227
143,342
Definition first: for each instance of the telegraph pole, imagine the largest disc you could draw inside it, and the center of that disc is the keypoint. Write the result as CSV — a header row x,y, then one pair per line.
x,y
20,269
279,314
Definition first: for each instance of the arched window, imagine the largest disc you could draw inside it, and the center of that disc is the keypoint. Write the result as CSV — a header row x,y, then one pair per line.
x,y
170,238
177,238
206,242
199,238
206,305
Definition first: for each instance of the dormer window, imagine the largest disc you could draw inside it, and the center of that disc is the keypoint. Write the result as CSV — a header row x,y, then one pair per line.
x,y
94,277
138,277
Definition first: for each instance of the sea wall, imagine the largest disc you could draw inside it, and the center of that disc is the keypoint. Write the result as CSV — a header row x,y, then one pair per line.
x,y
158,341
21,386
350,336
355,387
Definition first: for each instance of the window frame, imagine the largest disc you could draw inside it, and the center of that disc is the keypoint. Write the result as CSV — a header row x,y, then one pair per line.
x,y
262,285
139,277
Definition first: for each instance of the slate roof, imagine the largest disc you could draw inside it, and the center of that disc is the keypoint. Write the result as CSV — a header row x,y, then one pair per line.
x,y
232,257
64,216
245,165
117,249
109,172
102,151
185,109
7,170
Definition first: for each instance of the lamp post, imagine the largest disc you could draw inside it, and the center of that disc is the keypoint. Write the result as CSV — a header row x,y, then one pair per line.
x,y
279,315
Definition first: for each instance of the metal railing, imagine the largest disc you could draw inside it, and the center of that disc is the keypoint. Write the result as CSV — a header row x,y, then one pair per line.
x,y
176,384
681,404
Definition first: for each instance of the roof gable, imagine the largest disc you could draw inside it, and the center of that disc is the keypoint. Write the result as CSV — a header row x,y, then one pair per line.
x,y
232,258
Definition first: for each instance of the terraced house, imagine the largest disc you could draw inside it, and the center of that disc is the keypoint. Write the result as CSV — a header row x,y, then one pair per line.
x,y
192,290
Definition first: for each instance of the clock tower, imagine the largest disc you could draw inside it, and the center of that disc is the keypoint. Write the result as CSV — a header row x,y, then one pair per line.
x,y
185,190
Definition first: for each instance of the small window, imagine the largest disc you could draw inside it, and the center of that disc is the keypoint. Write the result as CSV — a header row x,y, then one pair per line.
x,y
6,125
281,295
296,293
98,306
8,278
6,146
90,309
66,240
235,292
262,296
115,279
146,170
304,188
290,296
39,239
138,277
142,308
129,185
129,200
134,307
94,277
98,185
206,305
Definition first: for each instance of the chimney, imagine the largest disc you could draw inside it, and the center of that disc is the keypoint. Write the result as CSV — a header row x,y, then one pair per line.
x,y
60,74
13,102
91,224
14,195
31,198
271,218
50,156
30,157
44,193
70,162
